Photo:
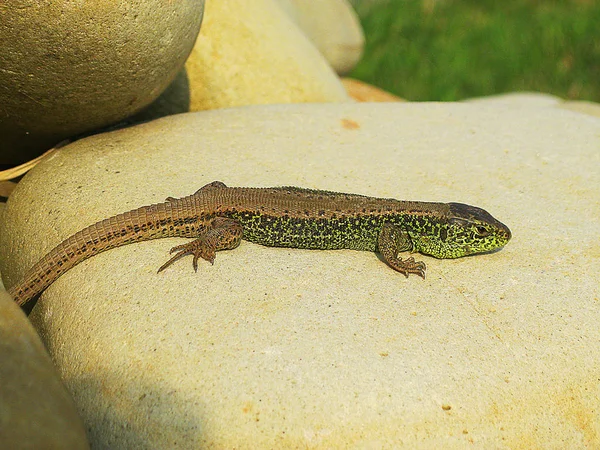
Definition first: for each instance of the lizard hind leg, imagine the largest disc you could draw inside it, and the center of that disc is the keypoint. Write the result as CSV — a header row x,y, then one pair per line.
x,y
393,240
221,234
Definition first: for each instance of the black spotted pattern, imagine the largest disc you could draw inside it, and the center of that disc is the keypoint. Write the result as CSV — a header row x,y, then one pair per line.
x,y
356,232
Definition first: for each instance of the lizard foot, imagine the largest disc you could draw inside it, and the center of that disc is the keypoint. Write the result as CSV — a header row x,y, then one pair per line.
x,y
408,266
198,248
220,234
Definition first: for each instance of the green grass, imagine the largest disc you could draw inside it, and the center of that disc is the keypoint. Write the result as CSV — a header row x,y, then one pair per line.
x,y
454,49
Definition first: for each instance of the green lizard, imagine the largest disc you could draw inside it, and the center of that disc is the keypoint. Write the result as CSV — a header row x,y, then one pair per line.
x,y
219,217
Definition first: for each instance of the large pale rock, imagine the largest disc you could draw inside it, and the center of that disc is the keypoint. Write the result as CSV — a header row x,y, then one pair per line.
x,y
70,67
333,26
36,411
284,348
252,53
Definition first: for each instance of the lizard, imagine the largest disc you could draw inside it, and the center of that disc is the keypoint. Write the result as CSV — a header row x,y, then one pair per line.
x,y
219,217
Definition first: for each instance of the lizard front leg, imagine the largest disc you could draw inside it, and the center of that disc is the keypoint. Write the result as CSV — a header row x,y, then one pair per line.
x,y
393,240
220,234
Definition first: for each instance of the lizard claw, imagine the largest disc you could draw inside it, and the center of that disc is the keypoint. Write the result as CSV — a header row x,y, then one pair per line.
x,y
198,248
221,234
408,266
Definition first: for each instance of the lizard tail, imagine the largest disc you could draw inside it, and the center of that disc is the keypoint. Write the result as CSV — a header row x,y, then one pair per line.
x,y
145,223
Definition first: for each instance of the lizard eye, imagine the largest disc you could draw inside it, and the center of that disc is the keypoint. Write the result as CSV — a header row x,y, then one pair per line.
x,y
482,231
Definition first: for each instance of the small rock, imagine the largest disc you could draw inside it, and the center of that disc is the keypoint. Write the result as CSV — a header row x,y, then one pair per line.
x,y
36,411
526,99
364,92
252,53
591,108
334,28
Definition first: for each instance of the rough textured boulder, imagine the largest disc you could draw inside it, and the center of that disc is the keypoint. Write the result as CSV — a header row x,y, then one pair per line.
x,y
71,67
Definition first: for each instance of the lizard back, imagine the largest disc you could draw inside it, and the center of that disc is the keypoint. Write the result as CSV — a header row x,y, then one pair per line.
x,y
316,219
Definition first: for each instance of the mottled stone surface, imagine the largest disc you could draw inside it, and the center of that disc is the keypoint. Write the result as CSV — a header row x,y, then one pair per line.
x,y
283,348
71,67
36,411
253,53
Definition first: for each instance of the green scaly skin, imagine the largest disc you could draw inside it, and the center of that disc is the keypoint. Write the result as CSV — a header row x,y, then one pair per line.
x,y
444,231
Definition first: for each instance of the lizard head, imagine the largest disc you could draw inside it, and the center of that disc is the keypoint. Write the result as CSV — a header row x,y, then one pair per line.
x,y
466,230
